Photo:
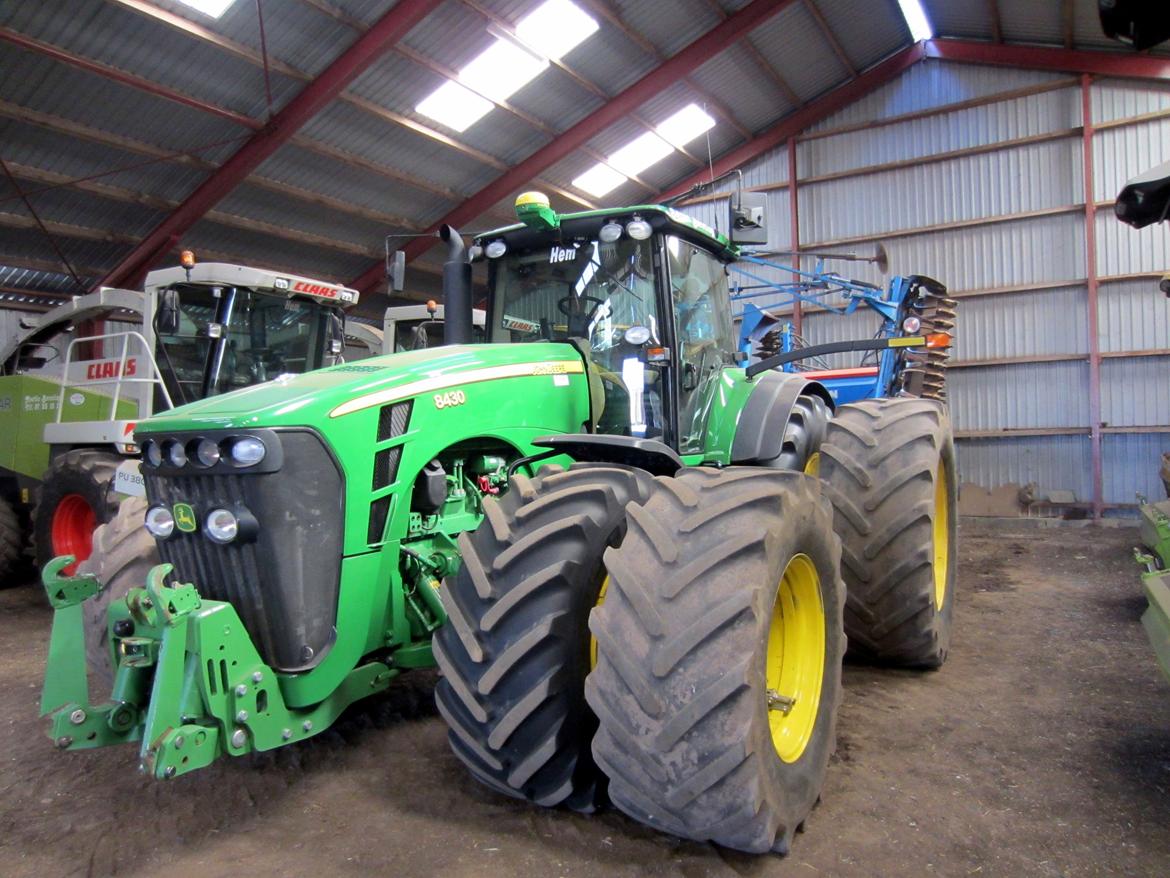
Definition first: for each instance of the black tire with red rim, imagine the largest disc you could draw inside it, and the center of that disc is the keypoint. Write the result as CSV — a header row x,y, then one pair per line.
x,y
75,498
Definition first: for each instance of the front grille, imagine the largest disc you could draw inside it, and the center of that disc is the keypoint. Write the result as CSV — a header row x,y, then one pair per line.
x,y
284,585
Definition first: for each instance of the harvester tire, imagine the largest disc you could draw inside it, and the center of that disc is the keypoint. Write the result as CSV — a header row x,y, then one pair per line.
x,y
123,553
889,466
11,544
73,499
516,647
720,643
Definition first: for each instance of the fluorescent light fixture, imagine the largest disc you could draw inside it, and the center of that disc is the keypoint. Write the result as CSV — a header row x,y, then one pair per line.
x,y
555,27
214,8
915,16
640,153
599,180
685,125
502,69
454,106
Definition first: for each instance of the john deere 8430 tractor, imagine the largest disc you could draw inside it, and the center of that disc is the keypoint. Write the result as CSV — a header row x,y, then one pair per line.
x,y
634,560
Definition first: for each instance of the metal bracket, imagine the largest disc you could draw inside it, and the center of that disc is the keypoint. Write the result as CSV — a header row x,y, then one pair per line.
x,y
67,591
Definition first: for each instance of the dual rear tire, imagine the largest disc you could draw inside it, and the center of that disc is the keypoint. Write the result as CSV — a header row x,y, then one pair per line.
x,y
704,691
710,664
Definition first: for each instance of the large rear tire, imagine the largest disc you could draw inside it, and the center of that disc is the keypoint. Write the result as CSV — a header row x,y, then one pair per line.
x,y
889,465
73,500
515,650
803,435
11,544
719,657
123,553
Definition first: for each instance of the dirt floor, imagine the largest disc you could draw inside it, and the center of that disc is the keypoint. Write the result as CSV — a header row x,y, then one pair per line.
x,y
1041,748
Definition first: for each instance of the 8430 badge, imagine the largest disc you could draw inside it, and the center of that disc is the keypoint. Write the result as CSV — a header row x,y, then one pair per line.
x,y
450,398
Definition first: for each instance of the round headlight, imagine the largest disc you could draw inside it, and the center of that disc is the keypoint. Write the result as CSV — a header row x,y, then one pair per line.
x,y
176,454
495,249
160,522
152,452
911,324
207,452
609,233
221,525
247,451
638,229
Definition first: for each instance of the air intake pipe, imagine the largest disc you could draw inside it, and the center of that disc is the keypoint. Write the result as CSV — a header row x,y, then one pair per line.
x,y
456,288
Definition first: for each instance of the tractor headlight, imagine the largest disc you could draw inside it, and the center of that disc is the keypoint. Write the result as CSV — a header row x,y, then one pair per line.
x,y
221,525
609,233
160,522
207,452
495,249
247,451
639,229
176,454
911,324
152,452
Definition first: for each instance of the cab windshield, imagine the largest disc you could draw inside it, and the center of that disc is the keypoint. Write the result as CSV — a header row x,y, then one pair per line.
x,y
602,296
230,338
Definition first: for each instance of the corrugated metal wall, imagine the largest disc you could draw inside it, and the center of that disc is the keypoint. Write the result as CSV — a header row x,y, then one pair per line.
x,y
988,197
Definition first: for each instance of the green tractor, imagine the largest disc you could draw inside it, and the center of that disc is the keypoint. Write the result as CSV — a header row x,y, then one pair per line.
x,y
634,561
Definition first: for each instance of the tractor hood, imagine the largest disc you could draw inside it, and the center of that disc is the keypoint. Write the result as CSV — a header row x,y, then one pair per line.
x,y
336,391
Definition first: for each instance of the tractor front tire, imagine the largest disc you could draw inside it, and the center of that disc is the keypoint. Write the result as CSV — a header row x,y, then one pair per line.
x,y
516,648
720,643
123,553
11,544
889,465
73,499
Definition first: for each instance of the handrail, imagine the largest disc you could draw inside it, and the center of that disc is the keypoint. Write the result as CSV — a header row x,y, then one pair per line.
x,y
120,378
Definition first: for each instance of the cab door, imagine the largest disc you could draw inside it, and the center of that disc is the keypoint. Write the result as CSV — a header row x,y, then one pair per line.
x,y
703,333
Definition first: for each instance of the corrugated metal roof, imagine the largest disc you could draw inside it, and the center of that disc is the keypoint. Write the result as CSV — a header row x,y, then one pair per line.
x,y
795,46
688,19
752,107
102,31
868,30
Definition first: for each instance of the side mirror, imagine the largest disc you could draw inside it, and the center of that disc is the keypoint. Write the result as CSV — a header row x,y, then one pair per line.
x,y
747,217
167,318
335,335
397,271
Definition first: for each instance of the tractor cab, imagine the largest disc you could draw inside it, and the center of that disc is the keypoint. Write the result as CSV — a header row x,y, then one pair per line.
x,y
641,292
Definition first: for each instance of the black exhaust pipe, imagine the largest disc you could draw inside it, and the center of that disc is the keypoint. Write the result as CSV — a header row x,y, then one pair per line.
x,y
456,289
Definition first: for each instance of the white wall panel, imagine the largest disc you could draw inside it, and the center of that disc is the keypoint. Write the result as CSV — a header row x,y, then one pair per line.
x,y
1009,181
1023,324
1133,315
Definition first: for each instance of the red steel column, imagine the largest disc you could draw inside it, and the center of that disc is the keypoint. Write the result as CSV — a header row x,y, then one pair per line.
x,y
794,234
1093,287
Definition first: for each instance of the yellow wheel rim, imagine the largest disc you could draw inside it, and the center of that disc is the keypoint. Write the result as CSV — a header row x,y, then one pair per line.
x,y
592,639
796,658
942,537
812,466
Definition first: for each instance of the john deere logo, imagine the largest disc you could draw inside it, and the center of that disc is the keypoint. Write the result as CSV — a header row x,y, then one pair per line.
x,y
185,518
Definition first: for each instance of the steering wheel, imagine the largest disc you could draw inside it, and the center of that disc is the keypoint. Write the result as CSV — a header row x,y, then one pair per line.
x,y
564,302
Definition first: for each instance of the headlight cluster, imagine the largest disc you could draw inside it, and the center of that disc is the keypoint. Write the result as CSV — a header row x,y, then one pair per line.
x,y
204,453
220,525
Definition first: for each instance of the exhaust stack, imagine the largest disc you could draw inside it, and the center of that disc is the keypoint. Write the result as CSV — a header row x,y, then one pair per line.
x,y
456,288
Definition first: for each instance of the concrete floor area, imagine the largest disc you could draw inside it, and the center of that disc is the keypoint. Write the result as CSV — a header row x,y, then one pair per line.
x,y
1041,749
